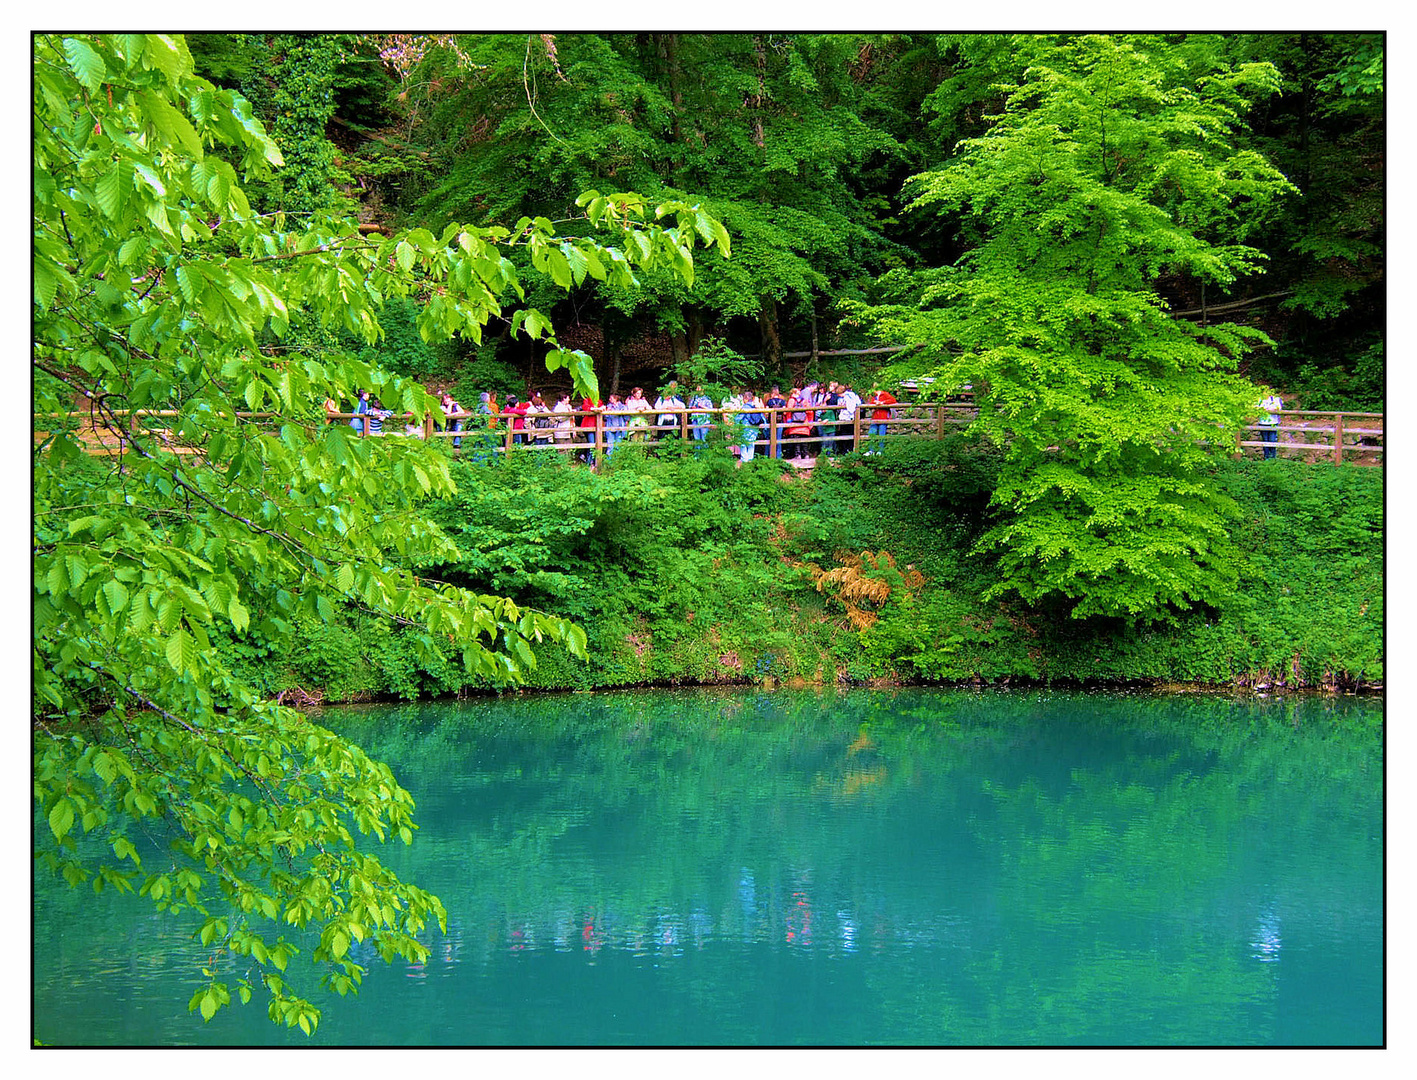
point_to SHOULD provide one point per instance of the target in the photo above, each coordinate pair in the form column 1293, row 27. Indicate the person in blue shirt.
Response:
column 751, row 422
column 360, row 410
column 616, row 420
column 775, row 400
column 699, row 421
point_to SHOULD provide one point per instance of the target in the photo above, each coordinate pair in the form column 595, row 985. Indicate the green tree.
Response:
column 1111, row 171
column 158, row 290
column 776, row 135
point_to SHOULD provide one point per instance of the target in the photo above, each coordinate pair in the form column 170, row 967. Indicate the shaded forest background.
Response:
column 800, row 144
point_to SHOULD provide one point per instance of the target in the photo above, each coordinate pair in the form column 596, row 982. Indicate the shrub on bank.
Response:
column 686, row 568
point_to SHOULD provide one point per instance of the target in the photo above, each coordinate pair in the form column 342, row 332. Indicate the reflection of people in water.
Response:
column 848, row 930
column 799, row 919
column 521, row 938
column 668, row 933
column 592, row 938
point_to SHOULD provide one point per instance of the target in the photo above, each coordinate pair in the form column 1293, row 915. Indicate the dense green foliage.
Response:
column 802, row 143
column 1111, row 164
column 1326, row 131
column 773, row 133
column 158, row 287
column 1074, row 225
column 199, row 255
column 685, row 569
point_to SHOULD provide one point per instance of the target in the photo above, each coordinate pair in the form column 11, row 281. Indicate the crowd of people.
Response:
column 811, row 419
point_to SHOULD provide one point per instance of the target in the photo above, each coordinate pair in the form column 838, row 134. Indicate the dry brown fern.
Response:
column 854, row 583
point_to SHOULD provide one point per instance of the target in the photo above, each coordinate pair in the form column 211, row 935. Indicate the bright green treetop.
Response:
column 1110, row 172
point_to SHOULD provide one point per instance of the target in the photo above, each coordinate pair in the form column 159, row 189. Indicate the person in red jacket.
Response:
column 879, row 416
column 517, row 410
column 587, row 425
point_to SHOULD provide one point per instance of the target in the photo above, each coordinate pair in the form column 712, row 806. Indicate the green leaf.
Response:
column 185, row 283
column 154, row 182
column 209, row 1004
column 115, row 594
column 240, row 616
column 172, row 123
column 57, row 579
column 576, row 642
column 181, row 652
column 105, row 768
column 46, row 284
column 131, row 249
column 108, row 192
column 61, row 818
column 88, row 67
column 165, row 54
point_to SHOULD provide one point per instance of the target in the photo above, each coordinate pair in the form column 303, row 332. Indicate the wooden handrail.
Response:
column 911, row 419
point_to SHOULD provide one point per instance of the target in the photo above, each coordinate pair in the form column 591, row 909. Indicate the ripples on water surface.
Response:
column 895, row 867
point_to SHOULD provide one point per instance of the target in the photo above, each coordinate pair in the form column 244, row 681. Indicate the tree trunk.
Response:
column 814, row 336
column 761, row 96
column 694, row 328
column 679, row 349
column 767, row 324
column 669, row 54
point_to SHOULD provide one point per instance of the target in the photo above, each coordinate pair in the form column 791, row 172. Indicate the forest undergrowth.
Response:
column 691, row 569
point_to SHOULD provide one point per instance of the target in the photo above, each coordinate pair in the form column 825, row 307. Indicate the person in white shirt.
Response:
column 669, row 405
column 562, row 431
column 849, row 403
column 1272, row 404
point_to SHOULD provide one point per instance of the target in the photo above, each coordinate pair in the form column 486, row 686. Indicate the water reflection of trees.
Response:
column 991, row 828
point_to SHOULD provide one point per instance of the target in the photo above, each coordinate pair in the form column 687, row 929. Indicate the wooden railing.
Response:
column 1356, row 438
column 97, row 436
column 778, row 436
column 1320, row 436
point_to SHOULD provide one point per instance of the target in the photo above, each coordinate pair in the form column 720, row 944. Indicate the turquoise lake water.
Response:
column 912, row 867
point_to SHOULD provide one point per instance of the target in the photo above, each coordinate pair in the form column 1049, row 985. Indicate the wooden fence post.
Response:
column 856, row 428
column 1338, row 438
column 772, row 432
column 939, row 422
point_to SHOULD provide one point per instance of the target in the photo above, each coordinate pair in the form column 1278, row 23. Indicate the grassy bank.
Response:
column 690, row 569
